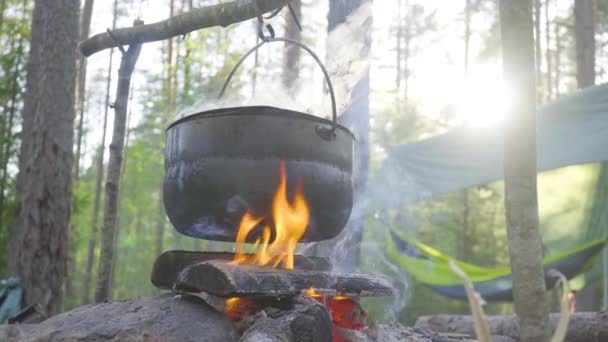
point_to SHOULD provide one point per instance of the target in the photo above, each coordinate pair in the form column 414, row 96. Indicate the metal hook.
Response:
column 261, row 34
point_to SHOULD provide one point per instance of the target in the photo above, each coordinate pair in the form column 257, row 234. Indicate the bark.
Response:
column 123, row 172
column 104, row 276
column 291, row 53
column 92, row 245
column 521, row 202
column 584, row 32
column 39, row 236
column 222, row 14
column 225, row 279
column 81, row 78
column 583, row 326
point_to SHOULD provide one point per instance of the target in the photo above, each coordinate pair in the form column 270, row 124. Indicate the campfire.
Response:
column 221, row 183
column 269, row 273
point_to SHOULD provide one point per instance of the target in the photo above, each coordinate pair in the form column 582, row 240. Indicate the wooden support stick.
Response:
column 224, row 279
column 222, row 14
column 110, row 212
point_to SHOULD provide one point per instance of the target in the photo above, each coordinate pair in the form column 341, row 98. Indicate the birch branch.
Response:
column 223, row 14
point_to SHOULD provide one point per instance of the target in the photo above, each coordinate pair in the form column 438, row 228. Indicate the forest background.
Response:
column 434, row 65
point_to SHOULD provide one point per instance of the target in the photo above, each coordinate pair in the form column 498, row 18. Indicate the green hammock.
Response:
column 431, row 267
column 571, row 131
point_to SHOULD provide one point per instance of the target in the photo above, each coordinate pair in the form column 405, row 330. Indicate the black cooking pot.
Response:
column 222, row 163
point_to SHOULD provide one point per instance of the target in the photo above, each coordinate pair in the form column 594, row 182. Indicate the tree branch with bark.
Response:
column 223, row 15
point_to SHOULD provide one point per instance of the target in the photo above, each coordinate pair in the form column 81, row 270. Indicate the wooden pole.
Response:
column 104, row 276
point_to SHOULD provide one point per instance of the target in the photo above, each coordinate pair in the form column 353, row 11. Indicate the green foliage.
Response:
column 14, row 36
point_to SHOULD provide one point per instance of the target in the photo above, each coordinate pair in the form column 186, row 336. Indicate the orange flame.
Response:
column 289, row 221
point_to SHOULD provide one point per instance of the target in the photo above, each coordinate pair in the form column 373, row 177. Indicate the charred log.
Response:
column 220, row 278
column 169, row 264
column 305, row 320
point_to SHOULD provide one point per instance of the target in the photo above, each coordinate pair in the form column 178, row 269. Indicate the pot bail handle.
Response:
column 324, row 132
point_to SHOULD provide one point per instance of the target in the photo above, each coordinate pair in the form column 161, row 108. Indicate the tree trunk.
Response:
column 584, row 34
column 537, row 49
column 291, row 53
column 521, row 203
column 558, row 54
column 123, row 172
column 104, row 276
column 398, row 38
column 356, row 118
column 256, row 62
column 99, row 178
column 2, row 9
column 585, row 42
column 464, row 236
column 549, row 84
column 467, row 34
column 39, row 236
column 81, row 80
column 185, row 94
column 406, row 52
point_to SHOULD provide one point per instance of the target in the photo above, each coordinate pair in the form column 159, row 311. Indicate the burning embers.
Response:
column 289, row 220
column 345, row 312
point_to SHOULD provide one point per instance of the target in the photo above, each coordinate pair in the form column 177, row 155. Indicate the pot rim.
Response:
column 247, row 110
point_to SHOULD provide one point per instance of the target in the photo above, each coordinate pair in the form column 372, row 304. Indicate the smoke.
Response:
column 348, row 62
column 399, row 280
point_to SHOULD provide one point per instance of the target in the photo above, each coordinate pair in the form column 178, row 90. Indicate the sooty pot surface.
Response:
column 219, row 164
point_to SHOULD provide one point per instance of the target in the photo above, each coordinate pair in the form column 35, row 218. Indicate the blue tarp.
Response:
column 572, row 130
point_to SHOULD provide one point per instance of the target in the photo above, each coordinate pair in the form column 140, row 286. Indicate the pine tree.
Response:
column 39, row 235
